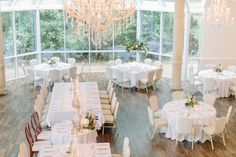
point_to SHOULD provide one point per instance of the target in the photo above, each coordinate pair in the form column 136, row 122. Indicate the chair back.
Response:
column 72, row 61
column 108, row 73
column 30, row 75
column 228, row 114
column 35, row 124
column 72, row 72
column 231, row 68
column 23, row 150
column 151, row 76
column 153, row 101
column 220, row 124
column 178, row 95
column 29, row 138
column 157, row 63
column 126, row 142
column 150, row 115
column 24, row 70
column 209, row 99
column 118, row 61
column 119, row 76
column 147, row 61
column 111, row 92
column 54, row 75
column 116, row 110
column 126, row 152
column 110, row 84
column 111, row 63
column 113, row 104
column 33, row 62
column 159, row 74
column 184, row 125
column 209, row 85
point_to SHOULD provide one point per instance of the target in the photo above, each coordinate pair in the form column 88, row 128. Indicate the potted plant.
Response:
column 139, row 47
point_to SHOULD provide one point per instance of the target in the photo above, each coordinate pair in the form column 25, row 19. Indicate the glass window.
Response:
column 194, row 35
column 105, row 44
column 150, row 30
column 25, row 31
column 167, row 66
column 168, row 25
column 81, row 58
column 76, row 36
column 10, row 70
column 52, row 30
column 46, row 56
column 98, row 60
column 7, row 30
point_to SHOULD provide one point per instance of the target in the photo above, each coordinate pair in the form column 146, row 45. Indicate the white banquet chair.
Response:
column 147, row 61
column 105, row 92
column 210, row 85
column 33, row 62
column 184, row 126
column 231, row 68
column 153, row 101
column 157, row 76
column 72, row 74
column 146, row 82
column 122, row 81
column 216, row 129
column 23, row 150
column 178, row 95
column 209, row 99
column 125, row 145
column 154, row 124
column 157, row 63
column 32, row 79
column 54, row 76
column 193, row 80
column 111, row 63
column 72, row 61
column 227, row 120
column 118, row 61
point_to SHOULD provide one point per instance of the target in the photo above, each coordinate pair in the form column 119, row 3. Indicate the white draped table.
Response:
column 223, row 80
column 81, row 150
column 133, row 71
column 203, row 114
column 42, row 70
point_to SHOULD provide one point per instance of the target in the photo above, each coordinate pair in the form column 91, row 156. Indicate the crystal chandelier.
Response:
column 102, row 19
column 218, row 13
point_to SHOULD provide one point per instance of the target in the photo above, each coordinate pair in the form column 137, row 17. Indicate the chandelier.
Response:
column 102, row 19
column 218, row 13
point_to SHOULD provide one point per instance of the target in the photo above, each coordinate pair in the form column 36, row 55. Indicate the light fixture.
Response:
column 102, row 19
column 218, row 13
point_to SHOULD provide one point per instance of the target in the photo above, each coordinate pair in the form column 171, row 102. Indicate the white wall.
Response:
column 218, row 43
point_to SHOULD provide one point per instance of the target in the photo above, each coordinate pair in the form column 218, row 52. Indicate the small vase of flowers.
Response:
column 190, row 101
column 89, row 121
column 218, row 68
column 139, row 47
column 51, row 61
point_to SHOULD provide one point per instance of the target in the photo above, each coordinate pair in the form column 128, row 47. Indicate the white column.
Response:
column 178, row 45
column 2, row 66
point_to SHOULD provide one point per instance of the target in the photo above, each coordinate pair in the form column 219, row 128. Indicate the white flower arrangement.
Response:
column 190, row 101
column 52, row 61
column 89, row 121
column 218, row 68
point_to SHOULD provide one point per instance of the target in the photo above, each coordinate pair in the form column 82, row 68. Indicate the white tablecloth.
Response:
column 133, row 71
column 223, row 80
column 62, row 134
column 81, row 150
column 60, row 107
column 90, row 101
column 42, row 70
column 203, row 114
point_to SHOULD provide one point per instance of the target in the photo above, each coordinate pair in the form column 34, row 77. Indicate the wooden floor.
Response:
column 17, row 105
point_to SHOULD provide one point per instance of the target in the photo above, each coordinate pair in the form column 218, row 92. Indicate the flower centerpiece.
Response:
column 89, row 121
column 218, row 68
column 190, row 101
column 137, row 46
column 52, row 61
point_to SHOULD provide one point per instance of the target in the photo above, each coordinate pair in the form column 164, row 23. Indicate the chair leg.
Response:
column 192, row 141
column 212, row 146
column 176, row 142
column 148, row 128
column 223, row 138
column 226, row 131
column 103, row 129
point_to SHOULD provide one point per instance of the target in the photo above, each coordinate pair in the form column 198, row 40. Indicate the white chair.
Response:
column 23, row 150
column 178, row 95
column 153, row 101
column 105, row 92
column 157, row 76
column 118, row 61
column 32, row 79
column 232, row 87
column 157, row 63
column 209, row 99
column 155, row 124
column 111, row 63
column 146, row 82
column 110, row 120
column 216, row 129
column 227, row 120
column 231, row 68
column 72, row 74
column 209, row 85
column 108, row 105
column 125, row 152
column 33, row 62
column 184, row 126
column 54, row 76
column 72, row 61
column 121, row 80
column 106, row 98
column 147, row 61
column 193, row 80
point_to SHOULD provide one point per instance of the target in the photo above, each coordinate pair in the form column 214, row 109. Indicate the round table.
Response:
column 42, row 70
column 133, row 71
column 203, row 114
column 223, row 80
